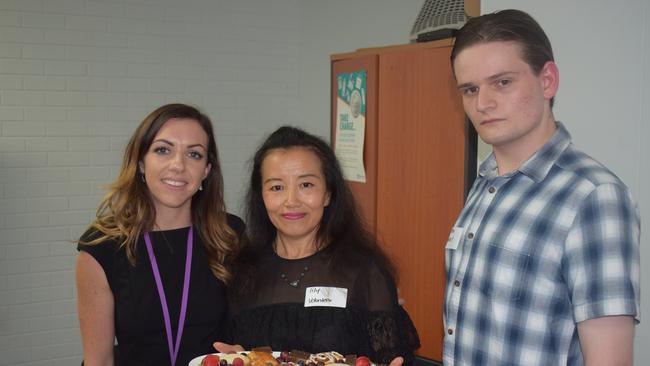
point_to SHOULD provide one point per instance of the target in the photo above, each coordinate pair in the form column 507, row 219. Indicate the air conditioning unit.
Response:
column 441, row 18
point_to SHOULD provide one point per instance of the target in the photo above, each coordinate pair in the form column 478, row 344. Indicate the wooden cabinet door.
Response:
column 420, row 178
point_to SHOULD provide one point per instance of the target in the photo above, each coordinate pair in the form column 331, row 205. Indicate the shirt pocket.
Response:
column 506, row 272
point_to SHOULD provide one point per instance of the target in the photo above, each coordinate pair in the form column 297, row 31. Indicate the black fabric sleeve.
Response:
column 391, row 332
column 104, row 252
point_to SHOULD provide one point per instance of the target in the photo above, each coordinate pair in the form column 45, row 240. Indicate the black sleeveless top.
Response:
column 139, row 324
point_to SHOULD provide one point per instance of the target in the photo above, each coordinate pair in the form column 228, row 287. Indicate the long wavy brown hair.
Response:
column 127, row 210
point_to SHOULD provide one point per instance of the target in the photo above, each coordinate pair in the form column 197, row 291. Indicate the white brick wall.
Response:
column 77, row 76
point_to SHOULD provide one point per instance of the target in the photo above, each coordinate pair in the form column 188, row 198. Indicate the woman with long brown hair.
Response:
column 151, row 270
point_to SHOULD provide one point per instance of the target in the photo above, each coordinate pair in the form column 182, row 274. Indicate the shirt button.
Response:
column 456, row 283
column 450, row 331
column 492, row 189
column 470, row 236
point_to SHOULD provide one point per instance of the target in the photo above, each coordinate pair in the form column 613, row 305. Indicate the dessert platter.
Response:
column 264, row 356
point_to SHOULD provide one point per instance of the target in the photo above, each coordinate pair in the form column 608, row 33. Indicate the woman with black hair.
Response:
column 310, row 276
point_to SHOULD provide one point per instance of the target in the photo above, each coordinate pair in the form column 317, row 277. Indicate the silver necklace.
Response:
column 295, row 283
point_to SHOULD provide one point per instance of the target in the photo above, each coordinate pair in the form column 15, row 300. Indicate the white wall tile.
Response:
column 12, row 144
column 87, row 53
column 44, row 234
column 9, row 19
column 46, row 204
column 23, row 128
column 47, row 144
column 11, row 82
column 43, row 51
column 18, row 98
column 64, row 248
column 65, row 68
column 88, row 23
column 89, row 173
column 106, row 39
column 28, row 220
column 21, row 35
column 107, row 69
column 40, row 113
column 11, row 113
column 68, row 189
column 20, row 160
column 107, row 99
column 65, row 6
column 25, row 189
column 66, row 128
column 105, row 9
column 29, row 339
column 13, row 176
column 24, row 5
column 57, row 174
column 89, row 143
column 40, row 20
column 12, row 205
column 71, row 218
column 86, row 114
column 65, row 159
column 22, row 311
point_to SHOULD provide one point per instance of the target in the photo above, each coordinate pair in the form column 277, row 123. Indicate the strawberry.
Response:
column 210, row 360
column 362, row 361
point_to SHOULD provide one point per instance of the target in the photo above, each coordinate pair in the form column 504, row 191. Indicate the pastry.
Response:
column 327, row 358
column 258, row 358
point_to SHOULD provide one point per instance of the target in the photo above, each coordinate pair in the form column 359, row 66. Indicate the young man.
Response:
column 543, row 261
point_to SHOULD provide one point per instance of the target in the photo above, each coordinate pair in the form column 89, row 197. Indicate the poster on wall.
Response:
column 351, row 124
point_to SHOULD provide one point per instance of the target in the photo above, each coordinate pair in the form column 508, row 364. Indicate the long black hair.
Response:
column 342, row 232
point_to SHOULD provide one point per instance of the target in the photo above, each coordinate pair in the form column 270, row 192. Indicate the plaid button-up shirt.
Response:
column 533, row 253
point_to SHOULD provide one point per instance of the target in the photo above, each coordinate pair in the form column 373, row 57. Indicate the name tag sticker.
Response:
column 454, row 238
column 335, row 297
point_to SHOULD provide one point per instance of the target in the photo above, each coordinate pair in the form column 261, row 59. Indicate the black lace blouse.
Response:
column 275, row 314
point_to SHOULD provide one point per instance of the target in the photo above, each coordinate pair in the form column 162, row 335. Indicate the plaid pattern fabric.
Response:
column 540, row 249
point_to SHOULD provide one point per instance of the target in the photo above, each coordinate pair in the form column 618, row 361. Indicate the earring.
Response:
column 142, row 177
column 201, row 187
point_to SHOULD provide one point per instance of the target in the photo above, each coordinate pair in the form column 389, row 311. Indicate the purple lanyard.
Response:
column 173, row 351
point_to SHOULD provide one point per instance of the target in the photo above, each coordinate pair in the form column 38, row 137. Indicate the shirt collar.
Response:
column 538, row 165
